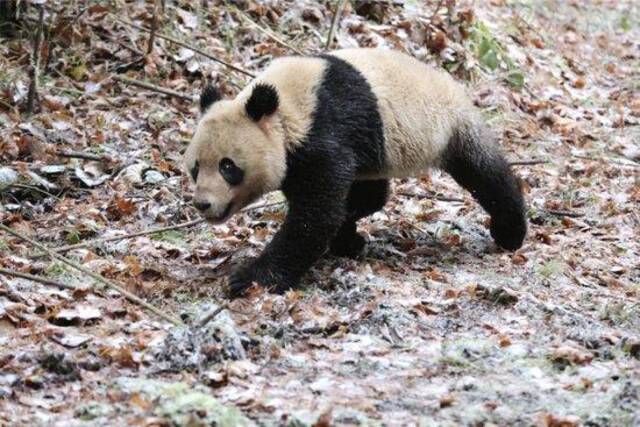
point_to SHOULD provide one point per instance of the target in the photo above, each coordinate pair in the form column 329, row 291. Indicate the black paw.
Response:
column 244, row 276
column 349, row 246
column 509, row 232
column 241, row 279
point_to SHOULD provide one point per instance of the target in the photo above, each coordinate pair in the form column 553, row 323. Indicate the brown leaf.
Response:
column 570, row 355
column 437, row 41
column 134, row 265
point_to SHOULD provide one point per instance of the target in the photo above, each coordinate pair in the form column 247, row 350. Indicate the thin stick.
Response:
column 334, row 23
column 206, row 319
column 528, row 162
column 128, row 295
column 266, row 31
column 432, row 196
column 154, row 28
column 150, row 231
column 32, row 188
column 570, row 214
column 608, row 160
column 127, row 236
column 152, row 87
column 435, row 12
column 38, row 279
column 34, row 72
column 183, row 44
column 81, row 155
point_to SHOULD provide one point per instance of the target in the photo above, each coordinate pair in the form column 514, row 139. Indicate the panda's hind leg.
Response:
column 365, row 198
column 473, row 160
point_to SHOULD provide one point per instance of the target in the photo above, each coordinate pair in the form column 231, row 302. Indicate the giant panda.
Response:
column 330, row 131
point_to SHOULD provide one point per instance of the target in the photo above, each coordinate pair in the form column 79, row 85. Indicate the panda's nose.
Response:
column 201, row 206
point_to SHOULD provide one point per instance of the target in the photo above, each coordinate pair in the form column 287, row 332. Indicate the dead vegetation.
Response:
column 433, row 325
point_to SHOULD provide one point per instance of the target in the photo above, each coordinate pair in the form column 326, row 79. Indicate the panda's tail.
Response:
column 475, row 162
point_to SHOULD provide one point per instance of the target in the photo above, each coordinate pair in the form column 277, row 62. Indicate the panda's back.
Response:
column 420, row 106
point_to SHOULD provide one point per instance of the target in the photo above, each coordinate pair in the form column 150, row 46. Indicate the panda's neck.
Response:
column 294, row 129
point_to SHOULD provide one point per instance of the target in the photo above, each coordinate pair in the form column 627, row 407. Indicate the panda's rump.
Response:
column 420, row 107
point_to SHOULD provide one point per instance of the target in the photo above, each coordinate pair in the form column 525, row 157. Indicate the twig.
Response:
column 334, row 23
column 151, row 231
column 206, row 319
column 435, row 12
column 570, row 214
column 608, row 160
column 34, row 72
column 528, row 162
column 127, row 236
column 38, row 279
column 152, row 87
column 128, row 295
column 32, row 188
column 188, row 46
column 81, row 155
column 7, row 105
column 154, row 28
column 266, row 31
column 431, row 196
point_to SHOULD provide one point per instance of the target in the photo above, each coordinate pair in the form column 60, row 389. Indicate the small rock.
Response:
column 7, row 177
column 199, row 347
column 132, row 174
column 499, row 295
column 153, row 177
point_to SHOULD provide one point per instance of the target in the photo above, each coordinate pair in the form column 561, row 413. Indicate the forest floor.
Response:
column 433, row 325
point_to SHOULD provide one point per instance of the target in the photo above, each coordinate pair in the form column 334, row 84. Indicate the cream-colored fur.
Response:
column 259, row 149
column 420, row 106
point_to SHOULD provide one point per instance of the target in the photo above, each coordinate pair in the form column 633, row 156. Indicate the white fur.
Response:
column 420, row 107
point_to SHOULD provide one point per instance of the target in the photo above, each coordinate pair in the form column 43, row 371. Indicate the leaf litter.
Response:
column 432, row 325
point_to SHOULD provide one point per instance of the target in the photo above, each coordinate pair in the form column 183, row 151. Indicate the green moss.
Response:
column 492, row 55
column 183, row 405
column 551, row 268
column 55, row 269
column 172, row 236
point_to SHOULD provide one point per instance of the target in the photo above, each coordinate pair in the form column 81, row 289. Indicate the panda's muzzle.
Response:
column 215, row 219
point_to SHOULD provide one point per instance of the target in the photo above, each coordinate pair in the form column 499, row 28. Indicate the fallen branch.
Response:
column 334, row 23
column 127, row 236
column 38, row 279
column 188, row 46
column 152, row 87
column 34, row 71
column 433, row 196
column 528, row 162
column 570, row 214
column 609, row 160
column 206, row 319
column 81, row 155
column 435, row 11
column 98, row 278
column 149, row 231
column 154, row 28
column 266, row 31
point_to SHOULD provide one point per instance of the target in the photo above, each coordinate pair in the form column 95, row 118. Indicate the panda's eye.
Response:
column 230, row 172
column 194, row 171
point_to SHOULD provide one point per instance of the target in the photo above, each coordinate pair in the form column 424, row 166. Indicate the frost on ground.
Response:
column 433, row 325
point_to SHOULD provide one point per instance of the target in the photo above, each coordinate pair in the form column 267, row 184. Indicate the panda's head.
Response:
column 237, row 152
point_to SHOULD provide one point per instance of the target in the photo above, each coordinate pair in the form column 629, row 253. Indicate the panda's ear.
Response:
column 263, row 101
column 208, row 97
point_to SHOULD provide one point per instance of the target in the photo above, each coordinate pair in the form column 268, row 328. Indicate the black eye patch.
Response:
column 230, row 172
column 194, row 171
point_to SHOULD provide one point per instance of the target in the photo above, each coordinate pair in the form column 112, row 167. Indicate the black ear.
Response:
column 263, row 101
column 208, row 97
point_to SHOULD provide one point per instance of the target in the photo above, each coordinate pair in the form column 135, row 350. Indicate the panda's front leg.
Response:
column 317, row 209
